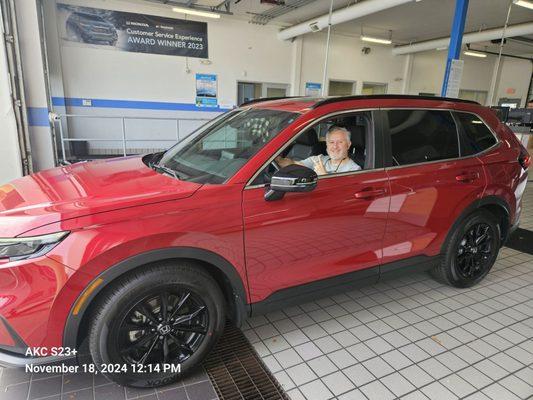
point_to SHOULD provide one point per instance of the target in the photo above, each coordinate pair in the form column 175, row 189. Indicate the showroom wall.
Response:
column 99, row 82
column 347, row 62
column 238, row 51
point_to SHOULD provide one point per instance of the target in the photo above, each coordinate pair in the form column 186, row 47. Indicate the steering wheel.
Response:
column 272, row 168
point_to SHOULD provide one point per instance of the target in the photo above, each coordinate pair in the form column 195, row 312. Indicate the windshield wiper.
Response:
column 167, row 170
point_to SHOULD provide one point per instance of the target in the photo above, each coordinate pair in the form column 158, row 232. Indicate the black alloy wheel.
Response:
column 156, row 324
column 470, row 251
column 163, row 328
column 475, row 251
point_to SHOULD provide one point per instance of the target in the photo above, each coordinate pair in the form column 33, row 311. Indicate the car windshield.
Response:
column 217, row 150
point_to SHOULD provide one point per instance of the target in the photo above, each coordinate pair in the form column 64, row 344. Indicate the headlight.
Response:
column 29, row 247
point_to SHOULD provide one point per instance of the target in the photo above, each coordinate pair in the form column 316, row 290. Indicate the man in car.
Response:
column 337, row 144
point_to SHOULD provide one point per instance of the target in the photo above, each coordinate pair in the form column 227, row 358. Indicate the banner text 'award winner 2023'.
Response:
column 123, row 31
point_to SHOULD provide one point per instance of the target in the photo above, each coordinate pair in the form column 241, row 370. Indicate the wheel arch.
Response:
column 495, row 205
column 218, row 267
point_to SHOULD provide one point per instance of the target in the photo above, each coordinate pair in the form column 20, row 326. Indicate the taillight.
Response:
column 524, row 159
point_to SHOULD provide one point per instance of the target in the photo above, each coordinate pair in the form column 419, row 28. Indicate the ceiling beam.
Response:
column 474, row 37
column 358, row 10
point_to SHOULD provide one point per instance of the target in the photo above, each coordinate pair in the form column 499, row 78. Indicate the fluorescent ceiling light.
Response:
column 524, row 3
column 474, row 54
column 375, row 40
column 442, row 48
column 198, row 13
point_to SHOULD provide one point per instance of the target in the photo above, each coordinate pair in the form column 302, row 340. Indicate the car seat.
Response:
column 306, row 145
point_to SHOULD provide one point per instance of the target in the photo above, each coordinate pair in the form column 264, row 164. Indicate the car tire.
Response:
column 471, row 251
column 168, row 315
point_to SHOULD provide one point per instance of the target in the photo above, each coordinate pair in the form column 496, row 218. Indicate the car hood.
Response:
column 82, row 189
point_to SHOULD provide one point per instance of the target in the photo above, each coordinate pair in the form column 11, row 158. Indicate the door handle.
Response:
column 467, row 177
column 367, row 194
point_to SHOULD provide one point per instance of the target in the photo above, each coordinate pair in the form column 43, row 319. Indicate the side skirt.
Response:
column 337, row 284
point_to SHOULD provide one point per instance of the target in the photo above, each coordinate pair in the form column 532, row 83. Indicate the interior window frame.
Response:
column 376, row 135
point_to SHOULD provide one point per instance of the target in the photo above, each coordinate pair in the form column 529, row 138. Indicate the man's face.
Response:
column 337, row 145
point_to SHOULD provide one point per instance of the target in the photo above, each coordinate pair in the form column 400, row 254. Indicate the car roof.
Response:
column 305, row 104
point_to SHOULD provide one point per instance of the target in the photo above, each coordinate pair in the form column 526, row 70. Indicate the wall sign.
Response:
column 206, row 90
column 125, row 31
column 313, row 89
column 454, row 80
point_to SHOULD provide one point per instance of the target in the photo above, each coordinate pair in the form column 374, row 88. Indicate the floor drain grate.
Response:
column 236, row 371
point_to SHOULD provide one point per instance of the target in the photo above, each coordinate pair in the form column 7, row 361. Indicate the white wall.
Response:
column 516, row 74
column 428, row 73
column 346, row 62
column 10, row 161
column 238, row 51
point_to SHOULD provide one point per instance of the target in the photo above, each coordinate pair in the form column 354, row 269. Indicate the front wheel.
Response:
column 471, row 251
column 157, row 324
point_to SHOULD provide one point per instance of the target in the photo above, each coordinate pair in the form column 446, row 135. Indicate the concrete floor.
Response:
column 410, row 337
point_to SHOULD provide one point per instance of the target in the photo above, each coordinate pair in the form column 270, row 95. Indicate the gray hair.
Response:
column 340, row 129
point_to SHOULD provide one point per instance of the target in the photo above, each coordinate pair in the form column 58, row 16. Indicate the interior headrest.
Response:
column 358, row 135
column 308, row 138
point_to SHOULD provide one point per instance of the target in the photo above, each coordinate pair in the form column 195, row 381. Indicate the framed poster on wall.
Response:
column 206, row 90
column 313, row 89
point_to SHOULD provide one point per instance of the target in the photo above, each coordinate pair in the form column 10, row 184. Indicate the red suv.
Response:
column 141, row 260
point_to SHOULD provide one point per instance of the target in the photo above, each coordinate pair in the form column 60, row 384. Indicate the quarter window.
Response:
column 476, row 137
column 421, row 136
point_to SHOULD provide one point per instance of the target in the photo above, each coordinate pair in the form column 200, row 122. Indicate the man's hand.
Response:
column 319, row 167
column 283, row 162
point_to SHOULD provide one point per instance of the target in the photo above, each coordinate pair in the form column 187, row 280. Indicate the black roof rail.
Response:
column 389, row 96
column 261, row 99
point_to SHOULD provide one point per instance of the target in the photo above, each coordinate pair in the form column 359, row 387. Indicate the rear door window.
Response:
column 475, row 135
column 418, row 136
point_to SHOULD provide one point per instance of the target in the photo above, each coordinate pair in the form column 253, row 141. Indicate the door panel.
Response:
column 425, row 202
column 426, row 196
column 311, row 236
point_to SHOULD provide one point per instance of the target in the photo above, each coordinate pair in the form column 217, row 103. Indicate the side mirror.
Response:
column 292, row 178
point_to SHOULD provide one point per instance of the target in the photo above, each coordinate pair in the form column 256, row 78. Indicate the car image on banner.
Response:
column 90, row 28
column 123, row 31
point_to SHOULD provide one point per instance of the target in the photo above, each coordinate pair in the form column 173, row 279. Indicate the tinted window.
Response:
column 422, row 135
column 475, row 137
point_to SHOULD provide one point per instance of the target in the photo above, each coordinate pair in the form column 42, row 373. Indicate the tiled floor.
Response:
column 15, row 384
column 410, row 338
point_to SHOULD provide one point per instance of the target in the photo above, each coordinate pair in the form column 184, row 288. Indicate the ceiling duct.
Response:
column 475, row 37
column 278, row 10
column 350, row 13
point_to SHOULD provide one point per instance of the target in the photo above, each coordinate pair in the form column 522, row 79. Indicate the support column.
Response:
column 407, row 73
column 296, row 66
column 10, row 157
column 495, row 80
column 456, row 40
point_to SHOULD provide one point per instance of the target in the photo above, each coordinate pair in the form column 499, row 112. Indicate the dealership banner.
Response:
column 117, row 30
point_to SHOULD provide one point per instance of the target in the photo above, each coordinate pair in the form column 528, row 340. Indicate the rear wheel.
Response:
column 157, row 324
column 471, row 251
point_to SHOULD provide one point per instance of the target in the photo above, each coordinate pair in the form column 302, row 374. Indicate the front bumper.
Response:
column 28, row 292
